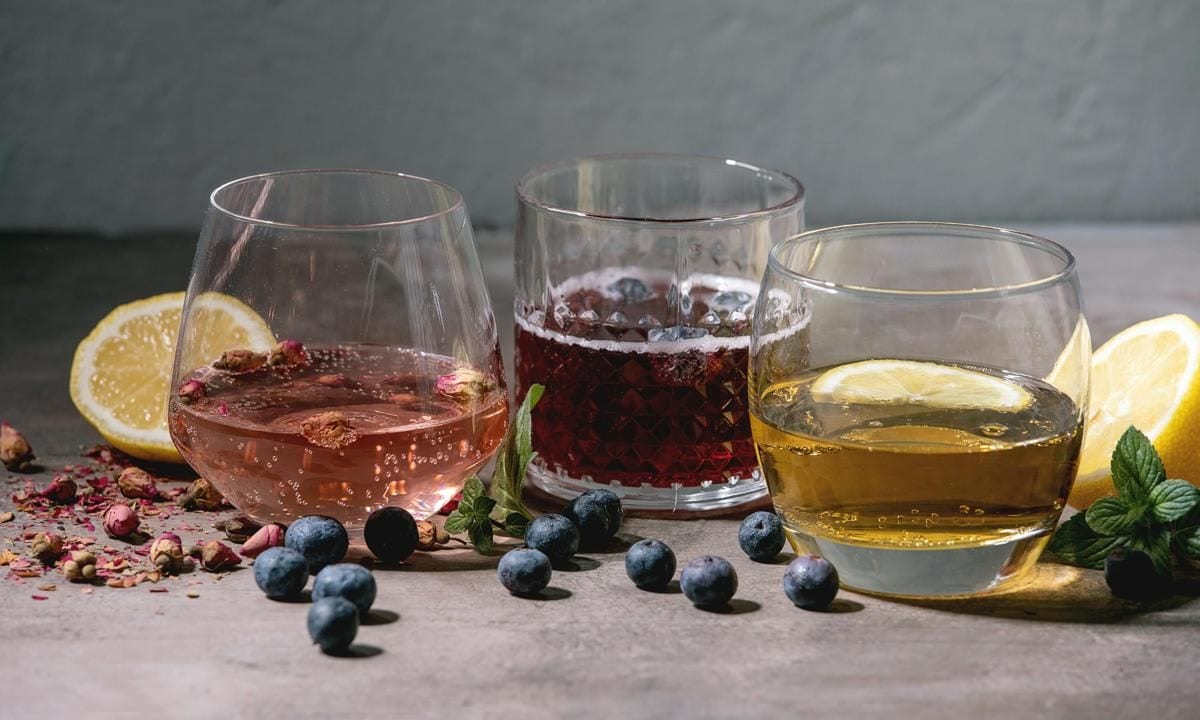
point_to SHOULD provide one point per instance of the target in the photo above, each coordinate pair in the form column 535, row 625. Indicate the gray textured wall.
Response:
column 121, row 116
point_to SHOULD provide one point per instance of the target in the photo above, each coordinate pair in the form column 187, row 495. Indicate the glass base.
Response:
column 723, row 497
column 927, row 573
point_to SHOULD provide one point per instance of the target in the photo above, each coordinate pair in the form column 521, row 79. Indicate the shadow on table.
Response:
column 1061, row 593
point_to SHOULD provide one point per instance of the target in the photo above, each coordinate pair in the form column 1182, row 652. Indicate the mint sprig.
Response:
column 1150, row 513
column 480, row 515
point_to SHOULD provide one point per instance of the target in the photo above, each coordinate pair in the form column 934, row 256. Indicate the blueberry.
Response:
column 761, row 536
column 391, row 534
column 612, row 507
column 590, row 515
column 810, row 582
column 333, row 623
column 555, row 536
column 709, row 582
column 347, row 580
column 1131, row 575
column 280, row 572
column 524, row 571
column 650, row 564
column 321, row 540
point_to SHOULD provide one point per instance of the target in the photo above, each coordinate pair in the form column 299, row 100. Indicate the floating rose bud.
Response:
column 135, row 482
column 15, row 451
column 337, row 381
column 201, row 496
column 120, row 521
column 191, row 391
column 328, row 430
column 240, row 361
column 61, row 490
column 81, row 567
column 47, row 547
column 268, row 536
column 167, row 553
column 464, row 384
column 288, row 352
column 216, row 556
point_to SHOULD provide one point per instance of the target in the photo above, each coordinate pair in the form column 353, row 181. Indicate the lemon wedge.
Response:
column 121, row 374
column 1147, row 375
column 910, row 382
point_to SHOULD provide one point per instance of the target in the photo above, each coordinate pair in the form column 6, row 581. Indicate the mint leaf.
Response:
column 1113, row 516
column 471, row 490
column 1075, row 542
column 1188, row 542
column 1136, row 466
column 515, row 457
column 1155, row 542
column 1171, row 500
column 481, row 536
column 456, row 522
column 515, row 525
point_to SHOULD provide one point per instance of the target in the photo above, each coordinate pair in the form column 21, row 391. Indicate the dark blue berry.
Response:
column 555, row 536
column 333, row 623
column 761, row 536
column 347, row 580
column 709, row 582
column 524, row 571
column 321, row 540
column 650, row 564
column 612, row 508
column 391, row 534
column 591, row 517
column 280, row 572
column 810, row 582
column 1131, row 575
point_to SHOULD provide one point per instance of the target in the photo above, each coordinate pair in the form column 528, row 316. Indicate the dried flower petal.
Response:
column 201, row 496
column 268, row 536
column 240, row 361
column 328, row 430
column 135, row 482
column 15, row 451
column 216, row 556
column 6, row 517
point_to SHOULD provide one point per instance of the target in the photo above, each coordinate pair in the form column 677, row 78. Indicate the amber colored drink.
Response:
column 391, row 439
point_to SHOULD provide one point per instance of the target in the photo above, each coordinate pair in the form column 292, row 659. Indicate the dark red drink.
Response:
column 641, row 387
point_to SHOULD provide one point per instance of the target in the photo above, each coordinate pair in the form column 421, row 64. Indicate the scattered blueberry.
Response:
column 761, row 536
column 810, row 582
column 524, row 571
column 1131, row 575
column 347, row 580
column 612, row 508
column 280, row 572
column 321, row 540
column 391, row 534
column 709, row 582
column 590, row 515
column 333, row 623
column 650, row 564
column 555, row 536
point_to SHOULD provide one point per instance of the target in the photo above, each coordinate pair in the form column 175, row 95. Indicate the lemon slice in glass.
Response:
column 910, row 382
column 121, row 374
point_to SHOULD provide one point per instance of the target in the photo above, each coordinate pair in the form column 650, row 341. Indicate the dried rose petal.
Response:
column 288, row 352
column 240, row 361
column 15, row 451
column 216, row 556
column 328, row 430
column 135, row 482
column 268, row 536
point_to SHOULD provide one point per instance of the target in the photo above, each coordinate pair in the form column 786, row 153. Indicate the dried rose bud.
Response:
column 338, row 381
column 81, row 567
column 47, row 547
column 201, row 496
column 120, row 521
column 328, row 430
column 429, row 536
column 240, row 361
column 237, row 529
column 288, row 352
column 191, row 391
column 61, row 490
column 137, row 483
column 216, row 556
column 268, row 536
column 167, row 553
column 15, row 451
column 464, row 384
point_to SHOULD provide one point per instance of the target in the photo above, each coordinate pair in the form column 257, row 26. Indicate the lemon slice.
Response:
column 1147, row 375
column 121, row 375
column 1067, row 373
column 909, row 382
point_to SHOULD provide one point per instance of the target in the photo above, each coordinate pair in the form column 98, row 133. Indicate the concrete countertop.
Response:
column 461, row 647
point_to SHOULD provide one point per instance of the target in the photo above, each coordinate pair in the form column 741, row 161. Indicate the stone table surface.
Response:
column 461, row 647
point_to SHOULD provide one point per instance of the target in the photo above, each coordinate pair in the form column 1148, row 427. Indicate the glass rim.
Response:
column 526, row 198
column 456, row 200
column 1063, row 274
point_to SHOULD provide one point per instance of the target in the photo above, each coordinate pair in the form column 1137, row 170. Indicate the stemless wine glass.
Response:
column 636, row 276
column 337, row 350
column 917, row 394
